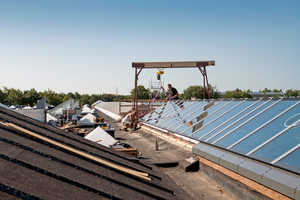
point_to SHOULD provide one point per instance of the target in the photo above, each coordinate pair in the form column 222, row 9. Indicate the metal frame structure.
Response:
column 201, row 65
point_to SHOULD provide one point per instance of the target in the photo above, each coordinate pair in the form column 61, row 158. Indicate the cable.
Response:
column 293, row 125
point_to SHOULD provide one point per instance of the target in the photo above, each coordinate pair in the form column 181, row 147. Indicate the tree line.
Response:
column 11, row 96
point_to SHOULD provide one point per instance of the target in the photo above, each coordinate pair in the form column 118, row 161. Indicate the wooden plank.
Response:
column 131, row 151
column 66, row 126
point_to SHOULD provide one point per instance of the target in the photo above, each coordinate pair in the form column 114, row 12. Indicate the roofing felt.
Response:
column 34, row 168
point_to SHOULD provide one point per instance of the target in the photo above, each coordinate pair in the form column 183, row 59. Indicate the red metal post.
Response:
column 207, row 82
column 135, row 101
column 204, row 74
column 135, row 93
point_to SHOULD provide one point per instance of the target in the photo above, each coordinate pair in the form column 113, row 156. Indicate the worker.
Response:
column 173, row 93
column 128, row 121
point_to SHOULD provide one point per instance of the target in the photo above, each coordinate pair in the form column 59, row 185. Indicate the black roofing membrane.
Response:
column 32, row 168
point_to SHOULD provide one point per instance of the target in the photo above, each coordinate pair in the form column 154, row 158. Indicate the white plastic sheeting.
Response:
column 50, row 117
column 101, row 137
column 27, row 108
column 87, row 120
column 85, row 110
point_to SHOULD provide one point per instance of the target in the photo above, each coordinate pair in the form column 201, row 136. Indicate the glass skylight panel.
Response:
column 210, row 117
column 188, row 114
column 280, row 144
column 154, row 112
column 157, row 113
column 196, row 116
column 229, row 135
column 180, row 109
column 249, row 143
column 194, row 106
column 216, row 119
column 291, row 162
column 58, row 110
column 227, row 118
column 172, row 111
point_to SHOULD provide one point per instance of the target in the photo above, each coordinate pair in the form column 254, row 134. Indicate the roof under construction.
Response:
column 43, row 162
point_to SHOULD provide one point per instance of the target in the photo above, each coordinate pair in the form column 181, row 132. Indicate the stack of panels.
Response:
column 32, row 168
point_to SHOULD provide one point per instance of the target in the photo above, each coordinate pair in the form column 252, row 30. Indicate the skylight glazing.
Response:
column 255, row 128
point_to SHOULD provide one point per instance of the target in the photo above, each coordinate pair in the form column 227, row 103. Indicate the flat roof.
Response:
column 188, row 64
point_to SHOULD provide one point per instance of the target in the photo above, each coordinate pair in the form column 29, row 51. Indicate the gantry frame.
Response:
column 201, row 65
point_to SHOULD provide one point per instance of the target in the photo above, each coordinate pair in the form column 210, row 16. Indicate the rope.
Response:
column 150, row 104
column 293, row 125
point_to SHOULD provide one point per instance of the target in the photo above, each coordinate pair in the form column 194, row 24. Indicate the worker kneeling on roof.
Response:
column 128, row 120
column 173, row 93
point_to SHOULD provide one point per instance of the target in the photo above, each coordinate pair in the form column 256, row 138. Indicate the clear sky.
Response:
column 88, row 46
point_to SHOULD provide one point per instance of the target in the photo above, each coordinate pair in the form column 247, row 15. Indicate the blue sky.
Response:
column 88, row 46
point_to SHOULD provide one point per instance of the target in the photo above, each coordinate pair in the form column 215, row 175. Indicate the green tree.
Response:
column 52, row 97
column 275, row 90
column 30, row 97
column 77, row 96
column 236, row 94
column 3, row 96
column 108, row 97
column 14, row 97
column 66, row 98
column 197, row 92
column 161, row 94
column 85, row 99
column 71, row 95
column 95, row 97
column 143, row 93
column 292, row 93
column 266, row 90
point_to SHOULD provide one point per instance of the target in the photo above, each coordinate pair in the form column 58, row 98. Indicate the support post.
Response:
column 204, row 74
column 135, row 103
column 156, row 145
column 135, row 94
column 207, row 82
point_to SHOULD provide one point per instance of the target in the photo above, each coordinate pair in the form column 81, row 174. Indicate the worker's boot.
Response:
column 136, row 127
